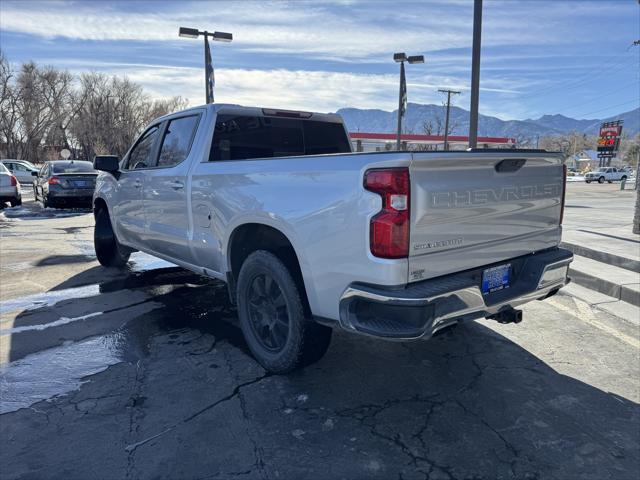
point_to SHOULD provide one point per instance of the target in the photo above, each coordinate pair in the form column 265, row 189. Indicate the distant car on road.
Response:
column 21, row 169
column 65, row 182
column 9, row 188
column 609, row 174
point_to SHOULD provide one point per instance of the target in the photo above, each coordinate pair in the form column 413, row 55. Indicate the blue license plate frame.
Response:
column 496, row 278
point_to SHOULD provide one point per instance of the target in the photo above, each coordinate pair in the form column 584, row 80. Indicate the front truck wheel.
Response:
column 272, row 316
column 109, row 252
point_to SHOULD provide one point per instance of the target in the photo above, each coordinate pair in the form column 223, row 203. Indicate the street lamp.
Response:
column 402, row 97
column 209, row 80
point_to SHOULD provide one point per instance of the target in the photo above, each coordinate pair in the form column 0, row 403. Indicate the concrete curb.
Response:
column 604, row 257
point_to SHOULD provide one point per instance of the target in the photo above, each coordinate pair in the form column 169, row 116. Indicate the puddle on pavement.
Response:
column 188, row 301
column 47, row 299
column 58, row 370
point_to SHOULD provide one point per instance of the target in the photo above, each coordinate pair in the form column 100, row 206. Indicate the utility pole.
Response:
column 446, row 121
column 475, row 73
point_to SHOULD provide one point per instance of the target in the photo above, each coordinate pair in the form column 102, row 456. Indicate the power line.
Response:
column 586, row 102
column 604, row 69
column 610, row 106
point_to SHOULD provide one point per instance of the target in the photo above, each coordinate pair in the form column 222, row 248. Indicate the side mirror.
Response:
column 106, row 163
column 34, row 173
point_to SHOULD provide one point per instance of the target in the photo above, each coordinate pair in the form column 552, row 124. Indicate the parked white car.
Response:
column 22, row 170
column 609, row 174
column 9, row 188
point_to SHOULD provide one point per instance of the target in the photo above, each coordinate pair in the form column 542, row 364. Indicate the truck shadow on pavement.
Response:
column 184, row 399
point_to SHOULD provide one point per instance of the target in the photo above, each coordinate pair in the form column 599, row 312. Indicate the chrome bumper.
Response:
column 421, row 309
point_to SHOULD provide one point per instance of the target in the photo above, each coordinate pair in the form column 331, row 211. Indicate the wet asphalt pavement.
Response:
column 143, row 373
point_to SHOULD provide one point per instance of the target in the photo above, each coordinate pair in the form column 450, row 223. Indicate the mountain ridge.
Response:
column 382, row 121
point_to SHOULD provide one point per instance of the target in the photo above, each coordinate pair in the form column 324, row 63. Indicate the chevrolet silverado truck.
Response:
column 309, row 236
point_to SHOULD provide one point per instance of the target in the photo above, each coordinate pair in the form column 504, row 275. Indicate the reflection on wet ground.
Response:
column 173, row 299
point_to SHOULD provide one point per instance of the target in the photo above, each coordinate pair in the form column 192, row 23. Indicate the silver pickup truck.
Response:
column 309, row 236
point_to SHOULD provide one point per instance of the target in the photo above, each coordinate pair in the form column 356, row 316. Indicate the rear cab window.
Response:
column 242, row 137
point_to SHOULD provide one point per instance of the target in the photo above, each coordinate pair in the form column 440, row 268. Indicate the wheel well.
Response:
column 250, row 237
column 98, row 205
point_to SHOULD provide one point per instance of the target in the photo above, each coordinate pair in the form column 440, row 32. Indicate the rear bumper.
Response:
column 71, row 196
column 10, row 193
column 420, row 309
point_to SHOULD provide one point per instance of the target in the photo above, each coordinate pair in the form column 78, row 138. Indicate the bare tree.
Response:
column 43, row 109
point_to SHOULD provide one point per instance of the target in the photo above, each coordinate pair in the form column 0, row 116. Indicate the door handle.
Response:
column 176, row 185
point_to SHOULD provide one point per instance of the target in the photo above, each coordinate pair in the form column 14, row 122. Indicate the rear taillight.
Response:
column 564, row 192
column 14, row 181
column 54, row 181
column 389, row 229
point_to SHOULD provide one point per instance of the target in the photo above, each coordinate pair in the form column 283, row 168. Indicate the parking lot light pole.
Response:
column 208, row 66
column 402, row 97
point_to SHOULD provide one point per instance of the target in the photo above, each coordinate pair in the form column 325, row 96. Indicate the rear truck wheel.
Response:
column 588, row 181
column 109, row 252
column 272, row 316
column 46, row 203
column 35, row 193
column 16, row 203
column 601, row 180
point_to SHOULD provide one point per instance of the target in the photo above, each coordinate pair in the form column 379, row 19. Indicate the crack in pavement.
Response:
column 236, row 391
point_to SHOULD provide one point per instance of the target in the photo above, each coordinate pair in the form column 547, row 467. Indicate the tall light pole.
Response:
column 402, row 97
column 446, row 121
column 209, row 81
column 475, row 73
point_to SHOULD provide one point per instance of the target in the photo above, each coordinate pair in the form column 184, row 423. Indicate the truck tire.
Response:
column 601, row 180
column 46, row 203
column 588, row 181
column 109, row 252
column 272, row 316
column 16, row 203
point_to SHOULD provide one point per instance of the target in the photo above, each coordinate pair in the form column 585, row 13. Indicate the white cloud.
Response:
column 322, row 91
column 295, row 28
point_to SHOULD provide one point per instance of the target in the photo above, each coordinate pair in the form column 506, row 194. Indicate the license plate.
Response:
column 496, row 278
column 81, row 183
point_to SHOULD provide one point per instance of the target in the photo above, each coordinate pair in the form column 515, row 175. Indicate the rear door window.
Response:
column 240, row 137
column 177, row 140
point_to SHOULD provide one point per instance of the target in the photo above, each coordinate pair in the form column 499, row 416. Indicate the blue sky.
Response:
column 538, row 57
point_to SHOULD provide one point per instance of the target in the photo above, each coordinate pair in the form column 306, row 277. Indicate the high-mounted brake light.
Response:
column 54, row 181
column 270, row 112
column 564, row 191
column 389, row 229
column 14, row 181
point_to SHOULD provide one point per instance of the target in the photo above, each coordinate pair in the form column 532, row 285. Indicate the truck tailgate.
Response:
column 470, row 209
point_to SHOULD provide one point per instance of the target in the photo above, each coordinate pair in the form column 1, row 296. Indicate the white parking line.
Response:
column 585, row 314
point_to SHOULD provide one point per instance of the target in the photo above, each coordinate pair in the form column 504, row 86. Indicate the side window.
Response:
column 140, row 156
column 9, row 166
column 176, row 143
column 19, row 167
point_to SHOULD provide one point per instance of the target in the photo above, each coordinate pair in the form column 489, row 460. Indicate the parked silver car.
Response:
column 22, row 170
column 9, row 188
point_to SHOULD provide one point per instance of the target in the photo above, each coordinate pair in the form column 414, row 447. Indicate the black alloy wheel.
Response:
column 268, row 312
